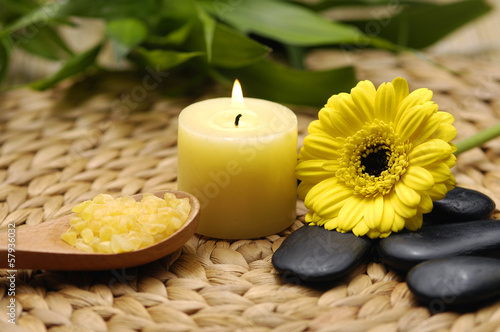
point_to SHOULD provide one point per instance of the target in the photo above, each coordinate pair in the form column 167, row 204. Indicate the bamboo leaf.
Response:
column 44, row 42
column 109, row 10
column 268, row 80
column 283, row 21
column 328, row 4
column 4, row 58
column 45, row 14
column 422, row 24
column 165, row 59
column 176, row 37
column 230, row 48
column 125, row 34
column 75, row 65
column 208, row 25
column 129, row 32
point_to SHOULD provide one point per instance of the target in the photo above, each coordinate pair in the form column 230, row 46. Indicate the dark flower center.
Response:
column 375, row 160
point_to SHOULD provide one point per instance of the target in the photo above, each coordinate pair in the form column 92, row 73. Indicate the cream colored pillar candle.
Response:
column 237, row 156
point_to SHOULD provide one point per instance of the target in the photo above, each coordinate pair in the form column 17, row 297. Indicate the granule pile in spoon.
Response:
column 108, row 225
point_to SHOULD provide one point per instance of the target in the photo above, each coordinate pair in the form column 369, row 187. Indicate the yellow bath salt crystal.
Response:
column 70, row 237
column 109, row 225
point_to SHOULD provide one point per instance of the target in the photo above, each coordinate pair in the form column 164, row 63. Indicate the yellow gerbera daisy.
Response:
column 376, row 159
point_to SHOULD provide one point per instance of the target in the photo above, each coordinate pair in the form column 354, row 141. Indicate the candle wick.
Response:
column 237, row 120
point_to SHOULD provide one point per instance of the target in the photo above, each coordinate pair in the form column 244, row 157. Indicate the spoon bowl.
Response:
column 41, row 246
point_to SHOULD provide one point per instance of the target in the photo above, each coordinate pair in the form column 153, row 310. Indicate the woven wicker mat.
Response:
column 68, row 144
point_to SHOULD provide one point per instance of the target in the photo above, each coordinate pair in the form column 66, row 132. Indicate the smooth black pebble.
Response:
column 455, row 281
column 461, row 204
column 314, row 254
column 406, row 249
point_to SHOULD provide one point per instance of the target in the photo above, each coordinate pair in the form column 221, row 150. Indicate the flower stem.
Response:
column 478, row 139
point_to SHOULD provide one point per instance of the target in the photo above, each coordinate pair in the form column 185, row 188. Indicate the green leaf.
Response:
column 4, row 58
column 268, row 80
column 208, row 24
column 327, row 4
column 145, row 10
column 11, row 9
column 230, row 48
column 44, row 42
column 182, row 10
column 422, row 24
column 165, row 59
column 125, row 34
column 129, row 32
column 45, row 14
column 282, row 21
column 177, row 37
column 75, row 65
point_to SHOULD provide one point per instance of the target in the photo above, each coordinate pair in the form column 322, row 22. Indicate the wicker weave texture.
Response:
column 66, row 145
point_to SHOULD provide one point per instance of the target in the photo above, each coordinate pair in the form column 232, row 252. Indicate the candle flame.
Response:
column 237, row 96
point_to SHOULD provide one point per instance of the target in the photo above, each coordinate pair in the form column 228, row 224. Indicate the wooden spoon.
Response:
column 41, row 246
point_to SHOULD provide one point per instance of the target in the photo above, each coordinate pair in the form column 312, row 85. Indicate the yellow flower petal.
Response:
column 368, row 87
column 400, row 88
column 364, row 99
column 411, row 120
column 374, row 234
column 304, row 188
column 414, row 223
column 315, row 127
column 445, row 117
column 452, row 159
column 331, row 224
column 328, row 203
column 428, row 127
column 418, row 178
column 312, row 171
column 388, row 216
column 438, row 191
column 331, row 165
column 345, row 106
column 400, row 208
column 320, row 145
column 312, row 217
column 429, row 152
column 398, row 224
column 342, row 125
column 351, row 213
column 360, row 229
column 445, row 132
column 381, row 235
column 374, row 209
column 385, row 103
column 407, row 195
column 417, row 97
column 426, row 204
column 439, row 171
column 326, row 122
column 318, row 189
column 347, row 120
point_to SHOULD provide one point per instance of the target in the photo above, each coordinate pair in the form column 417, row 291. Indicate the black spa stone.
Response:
column 314, row 254
column 455, row 281
column 406, row 249
column 461, row 204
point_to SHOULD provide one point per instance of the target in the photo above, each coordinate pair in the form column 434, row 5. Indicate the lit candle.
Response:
column 237, row 156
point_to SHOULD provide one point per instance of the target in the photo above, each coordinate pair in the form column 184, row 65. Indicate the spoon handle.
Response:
column 22, row 245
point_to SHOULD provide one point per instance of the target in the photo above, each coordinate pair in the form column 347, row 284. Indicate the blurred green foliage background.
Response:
column 261, row 42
